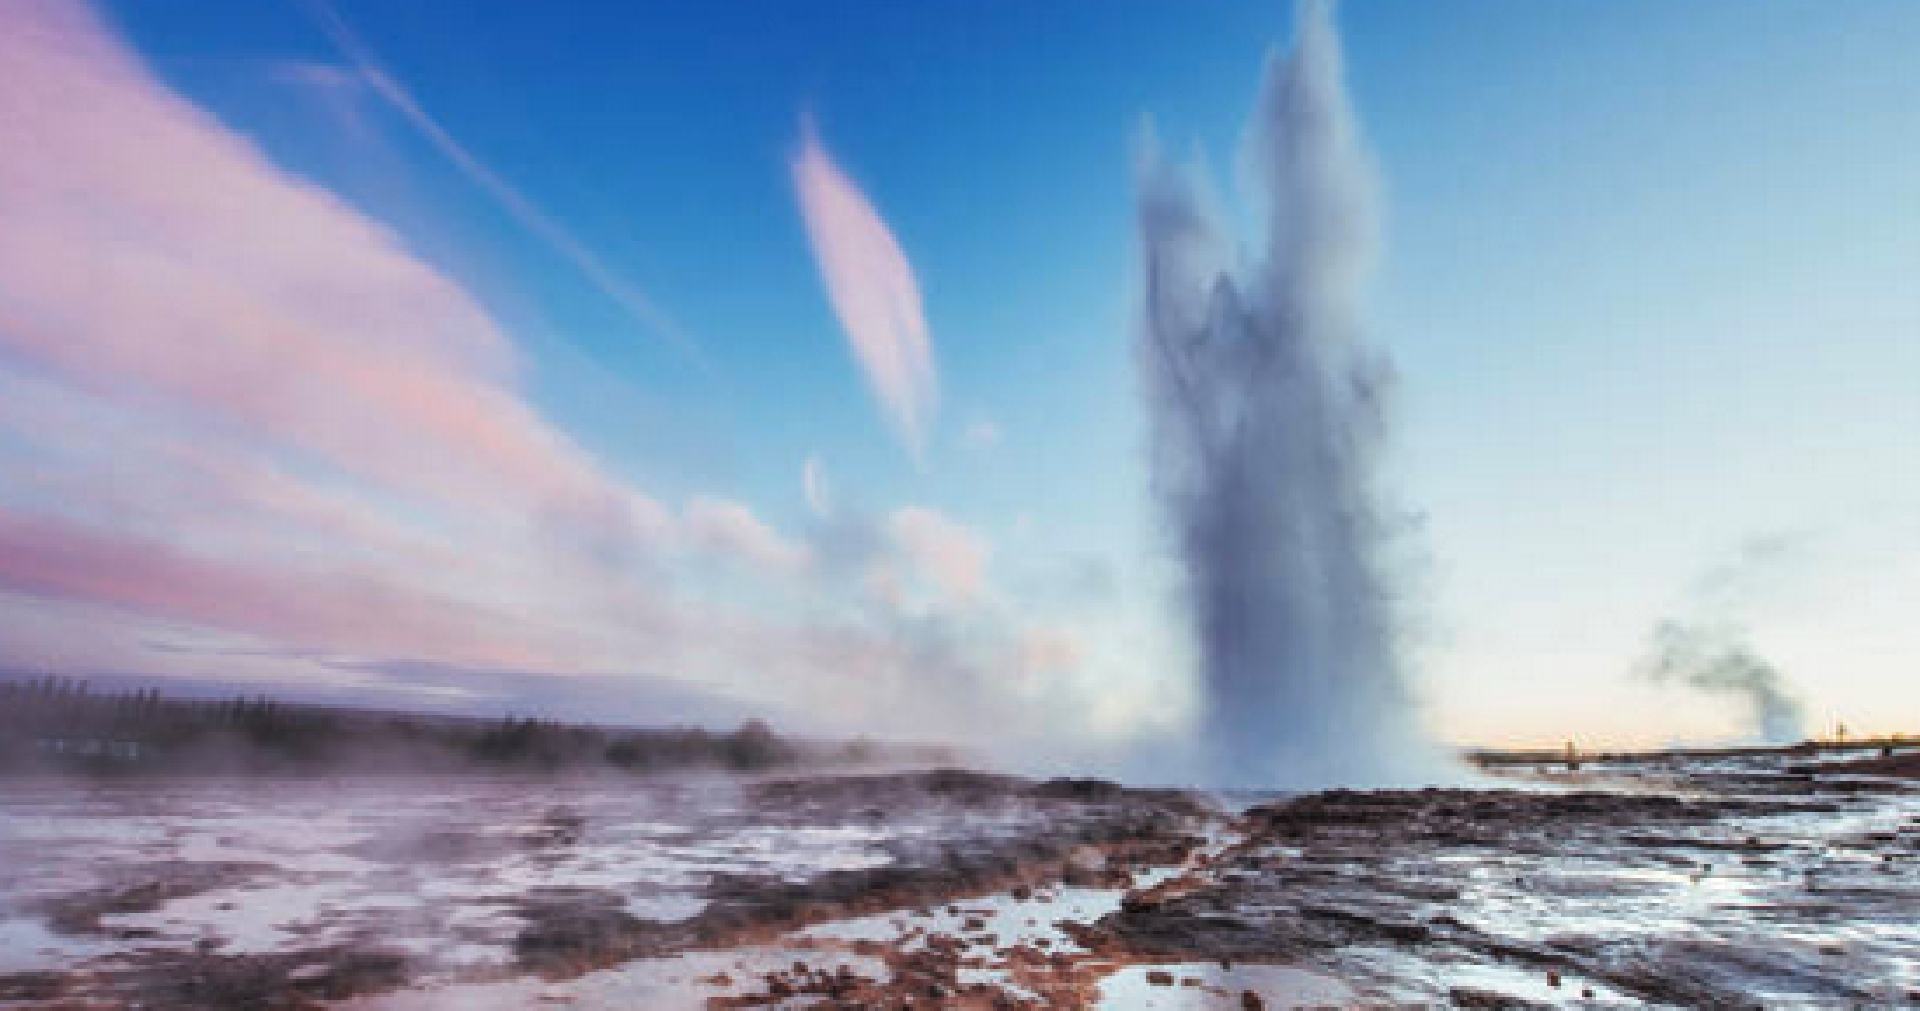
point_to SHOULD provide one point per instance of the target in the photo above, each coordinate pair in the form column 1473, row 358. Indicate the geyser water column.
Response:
column 1267, row 419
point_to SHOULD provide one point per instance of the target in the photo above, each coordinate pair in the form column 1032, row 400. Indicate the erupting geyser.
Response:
column 1267, row 417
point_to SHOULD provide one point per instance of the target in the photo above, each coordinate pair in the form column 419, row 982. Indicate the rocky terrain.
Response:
column 1694, row 900
column 220, row 894
column 1728, row 883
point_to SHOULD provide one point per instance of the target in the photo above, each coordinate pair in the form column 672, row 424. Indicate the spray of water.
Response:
column 1267, row 418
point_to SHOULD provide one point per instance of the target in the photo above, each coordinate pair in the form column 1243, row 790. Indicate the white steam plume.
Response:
column 1713, row 659
column 1267, row 419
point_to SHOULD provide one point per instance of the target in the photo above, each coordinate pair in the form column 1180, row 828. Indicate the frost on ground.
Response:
column 1677, row 885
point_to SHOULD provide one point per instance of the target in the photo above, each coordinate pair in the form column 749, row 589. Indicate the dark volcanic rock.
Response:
column 573, row 929
column 1470, row 997
column 1320, row 874
column 1904, row 766
column 32, row 986
column 1080, row 830
column 142, row 888
column 298, row 979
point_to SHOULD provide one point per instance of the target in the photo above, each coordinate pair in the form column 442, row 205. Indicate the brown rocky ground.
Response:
column 1904, row 766
column 1034, row 834
column 1713, row 888
column 1464, row 877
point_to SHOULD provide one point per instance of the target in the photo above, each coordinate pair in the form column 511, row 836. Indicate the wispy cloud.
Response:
column 731, row 528
column 278, row 420
column 637, row 304
column 872, row 288
column 950, row 557
column 246, row 433
column 982, row 434
column 814, row 484
column 348, row 608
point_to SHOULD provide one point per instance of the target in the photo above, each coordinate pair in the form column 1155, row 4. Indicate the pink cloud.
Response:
column 201, row 348
column 952, row 558
column 1045, row 651
column 730, row 528
column 234, row 409
column 872, row 288
column 335, row 610
column 150, row 252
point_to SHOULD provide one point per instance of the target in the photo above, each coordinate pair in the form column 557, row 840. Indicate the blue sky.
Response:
column 1649, row 279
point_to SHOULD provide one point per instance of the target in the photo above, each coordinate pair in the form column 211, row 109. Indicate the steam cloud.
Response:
column 1267, row 419
column 1706, row 647
column 1713, row 659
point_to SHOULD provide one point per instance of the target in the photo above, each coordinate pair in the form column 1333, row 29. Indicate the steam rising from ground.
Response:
column 1267, row 419
column 1715, row 660
column 1707, row 649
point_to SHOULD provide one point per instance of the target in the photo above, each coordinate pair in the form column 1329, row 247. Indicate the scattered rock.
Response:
column 1473, row 997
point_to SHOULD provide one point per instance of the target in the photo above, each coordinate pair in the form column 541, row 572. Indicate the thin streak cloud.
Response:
column 813, row 481
column 247, row 433
column 872, row 287
column 636, row 303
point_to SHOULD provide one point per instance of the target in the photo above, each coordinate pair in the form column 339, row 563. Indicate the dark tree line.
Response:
column 60, row 723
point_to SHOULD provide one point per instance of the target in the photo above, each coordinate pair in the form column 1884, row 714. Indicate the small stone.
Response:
column 1250, row 1001
column 1473, row 997
column 1160, row 978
